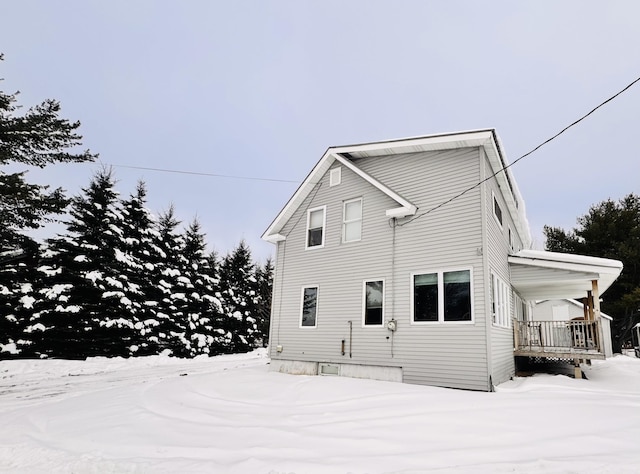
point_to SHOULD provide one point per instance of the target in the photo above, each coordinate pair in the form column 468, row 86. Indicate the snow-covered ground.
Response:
column 229, row 414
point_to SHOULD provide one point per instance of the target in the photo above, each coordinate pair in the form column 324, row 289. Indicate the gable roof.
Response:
column 487, row 139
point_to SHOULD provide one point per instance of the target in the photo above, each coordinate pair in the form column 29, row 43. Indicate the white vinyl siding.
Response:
column 352, row 220
column 316, row 221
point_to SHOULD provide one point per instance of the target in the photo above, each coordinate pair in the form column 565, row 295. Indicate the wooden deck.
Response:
column 575, row 339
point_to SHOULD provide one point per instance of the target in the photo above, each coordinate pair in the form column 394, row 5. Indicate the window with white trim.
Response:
column 441, row 297
column 352, row 220
column 373, row 303
column 309, row 307
column 497, row 210
column 500, row 302
column 315, row 227
column 511, row 244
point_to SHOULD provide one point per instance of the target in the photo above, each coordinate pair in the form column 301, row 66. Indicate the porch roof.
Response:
column 541, row 275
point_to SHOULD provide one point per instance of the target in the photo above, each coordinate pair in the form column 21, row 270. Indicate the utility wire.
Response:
column 202, row 174
column 520, row 158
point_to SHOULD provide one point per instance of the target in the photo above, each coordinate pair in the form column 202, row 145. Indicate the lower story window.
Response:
column 373, row 303
column 442, row 296
column 500, row 302
column 309, row 306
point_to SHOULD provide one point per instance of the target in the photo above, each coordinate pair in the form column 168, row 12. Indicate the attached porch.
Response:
column 539, row 275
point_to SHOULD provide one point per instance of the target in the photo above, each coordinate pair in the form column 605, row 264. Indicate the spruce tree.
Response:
column 200, row 308
column 264, row 285
column 37, row 138
column 139, row 234
column 85, row 306
column 171, row 329
column 239, row 293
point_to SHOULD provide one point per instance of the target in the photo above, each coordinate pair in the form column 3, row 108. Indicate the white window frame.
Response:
column 440, row 273
column 345, row 222
column 335, row 176
column 501, row 299
column 324, row 227
column 317, row 287
column 494, row 203
column 364, row 302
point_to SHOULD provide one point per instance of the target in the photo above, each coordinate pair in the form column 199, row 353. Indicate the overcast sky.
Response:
column 262, row 88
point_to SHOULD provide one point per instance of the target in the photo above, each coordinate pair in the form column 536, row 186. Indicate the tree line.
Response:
column 610, row 229
column 117, row 281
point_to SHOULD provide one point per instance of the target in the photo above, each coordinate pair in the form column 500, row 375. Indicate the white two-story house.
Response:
column 408, row 260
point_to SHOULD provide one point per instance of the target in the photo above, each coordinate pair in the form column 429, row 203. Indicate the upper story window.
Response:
column 373, row 303
column 497, row 210
column 352, row 220
column 441, row 297
column 335, row 176
column 315, row 227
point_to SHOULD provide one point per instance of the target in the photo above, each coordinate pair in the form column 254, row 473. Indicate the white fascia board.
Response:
column 455, row 139
column 299, row 196
column 407, row 208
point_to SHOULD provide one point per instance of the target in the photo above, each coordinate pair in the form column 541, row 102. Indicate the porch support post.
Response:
column 596, row 310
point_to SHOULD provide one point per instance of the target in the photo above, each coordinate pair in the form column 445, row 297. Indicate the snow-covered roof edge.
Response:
column 580, row 305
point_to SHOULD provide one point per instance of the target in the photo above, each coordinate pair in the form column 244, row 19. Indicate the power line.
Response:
column 521, row 157
column 201, row 174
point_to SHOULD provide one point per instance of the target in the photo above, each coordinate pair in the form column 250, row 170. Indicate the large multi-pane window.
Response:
column 373, row 303
column 315, row 227
column 443, row 296
column 309, row 306
column 352, row 220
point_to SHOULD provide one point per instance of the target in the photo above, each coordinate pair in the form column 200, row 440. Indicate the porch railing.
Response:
column 557, row 336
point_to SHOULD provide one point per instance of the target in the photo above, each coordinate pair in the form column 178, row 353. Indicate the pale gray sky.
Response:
column 263, row 88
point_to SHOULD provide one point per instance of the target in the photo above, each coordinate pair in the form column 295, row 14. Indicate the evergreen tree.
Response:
column 264, row 284
column 171, row 329
column 200, row 308
column 611, row 230
column 86, row 310
column 139, row 234
column 37, row 138
column 239, row 293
